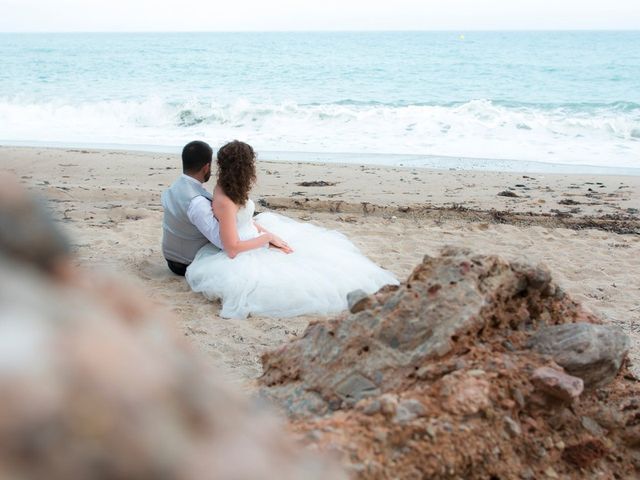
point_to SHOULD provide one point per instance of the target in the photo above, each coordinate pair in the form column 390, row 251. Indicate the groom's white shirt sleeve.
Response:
column 200, row 214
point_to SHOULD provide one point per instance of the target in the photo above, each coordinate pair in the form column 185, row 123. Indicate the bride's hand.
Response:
column 280, row 244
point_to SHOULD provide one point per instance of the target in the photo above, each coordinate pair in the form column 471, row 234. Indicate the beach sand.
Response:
column 585, row 228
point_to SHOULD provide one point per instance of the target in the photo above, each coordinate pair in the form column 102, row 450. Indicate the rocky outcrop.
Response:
column 446, row 377
column 96, row 383
column 446, row 305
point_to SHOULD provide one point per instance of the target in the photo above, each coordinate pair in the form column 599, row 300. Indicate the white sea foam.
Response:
column 607, row 135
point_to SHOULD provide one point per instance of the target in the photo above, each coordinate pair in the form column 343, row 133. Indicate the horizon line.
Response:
column 444, row 30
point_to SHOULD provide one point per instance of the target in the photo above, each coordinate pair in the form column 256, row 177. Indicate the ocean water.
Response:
column 489, row 98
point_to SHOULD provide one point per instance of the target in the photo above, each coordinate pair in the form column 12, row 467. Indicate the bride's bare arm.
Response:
column 275, row 240
column 225, row 211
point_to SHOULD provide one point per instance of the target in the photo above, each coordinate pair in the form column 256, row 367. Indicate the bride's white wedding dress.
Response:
column 315, row 279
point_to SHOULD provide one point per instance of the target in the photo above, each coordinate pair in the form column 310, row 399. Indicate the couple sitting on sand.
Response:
column 263, row 265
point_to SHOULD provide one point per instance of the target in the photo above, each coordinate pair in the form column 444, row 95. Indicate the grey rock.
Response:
column 610, row 418
column 409, row 410
column 592, row 427
column 357, row 300
column 372, row 408
column 591, row 352
column 518, row 397
column 355, row 387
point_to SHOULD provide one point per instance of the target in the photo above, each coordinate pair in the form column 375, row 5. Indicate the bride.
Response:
column 258, row 272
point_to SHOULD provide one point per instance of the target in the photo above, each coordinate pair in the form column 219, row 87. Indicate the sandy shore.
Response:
column 585, row 228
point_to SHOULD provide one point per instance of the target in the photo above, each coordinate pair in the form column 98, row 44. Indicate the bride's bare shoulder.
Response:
column 221, row 201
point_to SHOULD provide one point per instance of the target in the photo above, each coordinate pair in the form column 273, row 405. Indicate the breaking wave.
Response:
column 585, row 134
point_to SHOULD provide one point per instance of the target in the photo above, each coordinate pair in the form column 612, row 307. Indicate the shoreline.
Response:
column 556, row 200
column 429, row 162
column 585, row 228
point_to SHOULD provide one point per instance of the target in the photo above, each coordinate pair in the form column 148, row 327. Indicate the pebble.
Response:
column 557, row 383
column 314, row 435
column 388, row 404
column 381, row 435
column 518, row 397
column 592, row 427
column 512, row 427
column 357, row 300
column 528, row 474
column 409, row 410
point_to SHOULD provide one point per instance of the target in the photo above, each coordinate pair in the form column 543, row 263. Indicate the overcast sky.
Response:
column 241, row 15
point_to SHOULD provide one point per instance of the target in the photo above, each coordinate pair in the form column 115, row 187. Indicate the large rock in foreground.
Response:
column 436, row 379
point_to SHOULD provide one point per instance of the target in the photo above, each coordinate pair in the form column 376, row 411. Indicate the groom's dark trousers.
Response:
column 177, row 268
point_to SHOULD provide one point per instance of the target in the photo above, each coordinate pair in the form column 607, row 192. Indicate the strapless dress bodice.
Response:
column 244, row 221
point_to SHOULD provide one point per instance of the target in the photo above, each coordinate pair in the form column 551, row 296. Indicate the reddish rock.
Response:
column 585, row 453
column 440, row 372
column 557, row 384
column 463, row 394
column 445, row 303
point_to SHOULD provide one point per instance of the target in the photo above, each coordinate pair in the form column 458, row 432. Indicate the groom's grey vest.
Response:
column 181, row 240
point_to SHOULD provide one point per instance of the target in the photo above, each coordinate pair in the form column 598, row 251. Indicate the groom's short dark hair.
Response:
column 196, row 155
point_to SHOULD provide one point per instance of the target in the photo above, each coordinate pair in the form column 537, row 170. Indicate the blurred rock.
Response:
column 27, row 232
column 592, row 352
column 96, row 383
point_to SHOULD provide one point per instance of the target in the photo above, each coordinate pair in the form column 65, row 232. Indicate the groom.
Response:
column 188, row 222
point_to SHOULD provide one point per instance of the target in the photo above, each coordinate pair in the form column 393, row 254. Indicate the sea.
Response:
column 524, row 101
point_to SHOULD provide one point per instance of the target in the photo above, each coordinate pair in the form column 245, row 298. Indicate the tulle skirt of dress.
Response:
column 315, row 279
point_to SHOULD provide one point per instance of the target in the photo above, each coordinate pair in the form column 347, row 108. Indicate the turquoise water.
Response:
column 552, row 97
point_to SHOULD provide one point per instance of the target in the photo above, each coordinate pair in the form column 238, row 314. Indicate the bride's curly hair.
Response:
column 236, row 170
